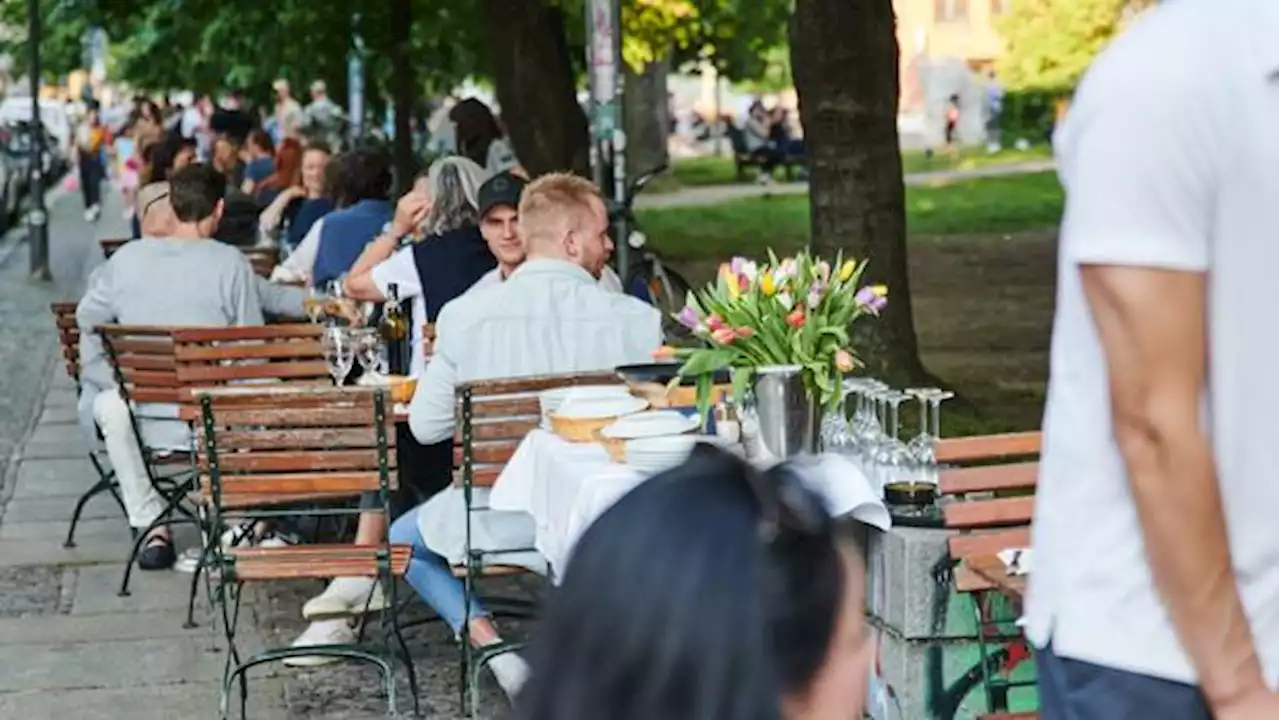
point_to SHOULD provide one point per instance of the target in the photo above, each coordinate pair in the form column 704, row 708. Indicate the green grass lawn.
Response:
column 747, row 227
column 703, row 171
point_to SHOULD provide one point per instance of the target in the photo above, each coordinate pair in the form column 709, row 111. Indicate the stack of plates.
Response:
column 655, row 423
column 550, row 400
column 655, row 454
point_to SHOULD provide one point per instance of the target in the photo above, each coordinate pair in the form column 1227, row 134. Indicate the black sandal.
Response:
column 157, row 554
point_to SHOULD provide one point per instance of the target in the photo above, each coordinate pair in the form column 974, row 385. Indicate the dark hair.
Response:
column 195, row 190
column 475, row 129
column 363, row 174
column 710, row 591
column 165, row 152
column 262, row 140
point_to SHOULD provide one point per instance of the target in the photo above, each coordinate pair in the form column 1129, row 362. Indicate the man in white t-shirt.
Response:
column 1155, row 591
column 498, row 200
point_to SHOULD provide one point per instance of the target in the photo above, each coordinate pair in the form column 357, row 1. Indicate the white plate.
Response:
column 607, row 407
column 550, row 400
column 654, row 423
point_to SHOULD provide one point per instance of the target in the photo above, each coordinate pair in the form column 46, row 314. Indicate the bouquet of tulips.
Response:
column 797, row 311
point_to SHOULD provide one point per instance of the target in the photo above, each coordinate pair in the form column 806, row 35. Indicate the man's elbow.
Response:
column 1150, row 436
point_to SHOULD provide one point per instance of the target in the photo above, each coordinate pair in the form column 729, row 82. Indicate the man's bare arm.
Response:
column 1152, row 327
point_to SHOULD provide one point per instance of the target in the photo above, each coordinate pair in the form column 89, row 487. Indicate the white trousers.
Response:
column 141, row 500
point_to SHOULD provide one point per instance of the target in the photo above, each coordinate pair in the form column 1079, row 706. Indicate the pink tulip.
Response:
column 844, row 361
column 724, row 335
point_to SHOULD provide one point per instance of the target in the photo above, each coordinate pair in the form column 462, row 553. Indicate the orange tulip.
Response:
column 666, row 352
column 796, row 319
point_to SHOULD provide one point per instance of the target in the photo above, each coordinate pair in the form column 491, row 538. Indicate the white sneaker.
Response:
column 188, row 560
column 511, row 672
column 327, row 632
column 345, row 597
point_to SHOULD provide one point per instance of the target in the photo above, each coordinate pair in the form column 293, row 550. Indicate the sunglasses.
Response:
column 786, row 505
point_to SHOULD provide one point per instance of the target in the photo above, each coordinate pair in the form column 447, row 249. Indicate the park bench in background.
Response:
column 742, row 159
column 991, row 507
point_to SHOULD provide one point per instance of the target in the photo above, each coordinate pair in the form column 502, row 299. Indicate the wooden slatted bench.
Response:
column 991, row 506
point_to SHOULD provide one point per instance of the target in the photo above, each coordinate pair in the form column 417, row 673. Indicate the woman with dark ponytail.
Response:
column 712, row 591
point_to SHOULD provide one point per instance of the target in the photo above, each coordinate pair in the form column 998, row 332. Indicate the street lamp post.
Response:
column 37, row 218
column 608, row 137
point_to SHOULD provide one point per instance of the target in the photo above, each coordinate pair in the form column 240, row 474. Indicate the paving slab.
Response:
column 94, row 629
column 54, row 477
column 59, row 415
column 44, row 509
column 15, row 553
column 57, row 433
column 28, row 591
column 157, row 702
column 108, row 664
column 97, row 586
column 55, row 450
column 105, row 530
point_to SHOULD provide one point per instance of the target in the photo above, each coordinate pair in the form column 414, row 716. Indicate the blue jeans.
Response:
column 431, row 577
column 1076, row 690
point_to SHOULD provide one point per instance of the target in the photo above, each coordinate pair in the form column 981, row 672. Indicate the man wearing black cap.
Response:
column 498, row 199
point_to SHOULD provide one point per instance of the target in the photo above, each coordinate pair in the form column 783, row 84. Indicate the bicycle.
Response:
column 649, row 278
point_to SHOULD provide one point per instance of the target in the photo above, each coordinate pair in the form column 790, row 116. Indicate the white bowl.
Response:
column 655, row 423
column 601, row 407
column 550, row 400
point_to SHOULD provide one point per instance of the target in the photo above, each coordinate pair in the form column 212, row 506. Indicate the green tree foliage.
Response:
column 64, row 29
column 1050, row 43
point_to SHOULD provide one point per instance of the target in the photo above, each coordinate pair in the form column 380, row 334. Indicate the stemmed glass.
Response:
column 921, row 446
column 339, row 352
column 891, row 454
column 314, row 304
column 370, row 352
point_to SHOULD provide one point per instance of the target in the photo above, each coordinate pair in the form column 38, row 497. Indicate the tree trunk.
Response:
column 644, row 111
column 844, row 57
column 402, row 91
column 525, row 41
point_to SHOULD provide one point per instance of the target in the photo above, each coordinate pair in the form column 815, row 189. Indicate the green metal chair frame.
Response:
column 501, row 413
column 64, row 316
column 286, row 414
column 143, row 363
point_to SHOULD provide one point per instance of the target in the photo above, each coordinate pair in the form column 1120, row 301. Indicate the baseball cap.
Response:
column 501, row 189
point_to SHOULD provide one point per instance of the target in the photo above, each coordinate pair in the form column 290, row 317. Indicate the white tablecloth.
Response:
column 565, row 486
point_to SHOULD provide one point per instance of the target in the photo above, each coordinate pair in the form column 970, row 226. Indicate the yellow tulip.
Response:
column 846, row 270
column 880, row 290
column 767, row 284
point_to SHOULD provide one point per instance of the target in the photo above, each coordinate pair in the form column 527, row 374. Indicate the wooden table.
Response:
column 992, row 569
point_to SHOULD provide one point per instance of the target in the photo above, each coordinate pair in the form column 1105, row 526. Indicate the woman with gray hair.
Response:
column 447, row 259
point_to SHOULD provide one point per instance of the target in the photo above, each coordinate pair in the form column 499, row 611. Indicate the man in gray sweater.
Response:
column 181, row 278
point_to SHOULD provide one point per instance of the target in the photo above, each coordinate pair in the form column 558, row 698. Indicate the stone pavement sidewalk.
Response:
column 69, row 645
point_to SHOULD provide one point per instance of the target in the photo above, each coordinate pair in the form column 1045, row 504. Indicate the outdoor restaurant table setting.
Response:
column 564, row 485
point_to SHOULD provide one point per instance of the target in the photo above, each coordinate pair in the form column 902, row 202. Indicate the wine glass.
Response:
column 370, row 352
column 921, row 446
column 339, row 352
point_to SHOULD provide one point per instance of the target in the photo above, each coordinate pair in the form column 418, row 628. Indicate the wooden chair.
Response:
column 493, row 418
column 274, row 444
column 991, row 508
column 64, row 317
column 263, row 259
column 111, row 245
column 208, row 357
column 142, row 358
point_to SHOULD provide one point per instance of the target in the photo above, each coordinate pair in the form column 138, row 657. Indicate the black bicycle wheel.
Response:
column 663, row 288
